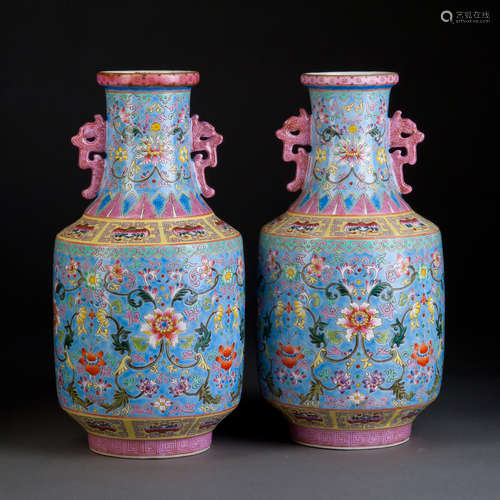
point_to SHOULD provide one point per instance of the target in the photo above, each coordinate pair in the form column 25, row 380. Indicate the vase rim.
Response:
column 349, row 78
column 148, row 78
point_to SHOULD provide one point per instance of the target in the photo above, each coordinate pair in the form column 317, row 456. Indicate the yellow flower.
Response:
column 218, row 317
column 80, row 320
column 121, row 154
column 301, row 314
column 280, row 309
column 320, row 154
column 381, row 156
column 103, row 323
column 183, row 154
column 353, row 129
column 155, row 127
column 415, row 311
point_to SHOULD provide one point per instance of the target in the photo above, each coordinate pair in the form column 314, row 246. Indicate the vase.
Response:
column 351, row 290
column 148, row 283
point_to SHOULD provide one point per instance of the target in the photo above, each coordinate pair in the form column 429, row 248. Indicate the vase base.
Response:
column 350, row 440
column 150, row 448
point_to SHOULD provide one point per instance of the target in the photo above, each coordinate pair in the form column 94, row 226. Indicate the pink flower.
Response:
column 316, row 265
column 361, row 319
column 402, row 266
column 436, row 259
column 163, row 324
column 206, row 267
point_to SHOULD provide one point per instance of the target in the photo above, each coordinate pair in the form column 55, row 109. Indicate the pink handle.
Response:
column 302, row 125
column 397, row 127
column 91, row 138
column 205, row 138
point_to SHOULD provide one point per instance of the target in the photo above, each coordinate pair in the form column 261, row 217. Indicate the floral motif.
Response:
column 316, row 266
column 116, row 272
column 148, row 387
column 226, row 356
column 422, row 352
column 163, row 324
column 162, row 404
column 320, row 155
column 352, row 152
column 92, row 362
column 402, row 266
column 342, row 380
column 206, row 267
column 381, row 156
column 153, row 149
column 289, row 355
column 179, row 387
column 359, row 318
column 373, row 380
column 291, row 272
column 356, row 397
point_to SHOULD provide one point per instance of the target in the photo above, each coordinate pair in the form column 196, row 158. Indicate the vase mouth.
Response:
column 148, row 78
column 349, row 78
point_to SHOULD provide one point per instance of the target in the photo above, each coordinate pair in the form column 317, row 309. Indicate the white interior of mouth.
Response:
column 350, row 73
column 151, row 71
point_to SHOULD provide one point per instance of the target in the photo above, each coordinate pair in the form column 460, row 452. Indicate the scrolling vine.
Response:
column 162, row 330
column 357, row 296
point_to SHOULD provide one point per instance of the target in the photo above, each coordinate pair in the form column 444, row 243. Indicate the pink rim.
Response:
column 154, row 448
column 148, row 78
column 348, row 78
column 374, row 438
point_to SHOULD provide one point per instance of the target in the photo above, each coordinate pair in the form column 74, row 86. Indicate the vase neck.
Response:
column 149, row 172
column 350, row 166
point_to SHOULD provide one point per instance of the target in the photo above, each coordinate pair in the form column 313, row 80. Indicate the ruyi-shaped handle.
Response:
column 296, row 131
column 206, row 139
column 91, row 138
column 412, row 136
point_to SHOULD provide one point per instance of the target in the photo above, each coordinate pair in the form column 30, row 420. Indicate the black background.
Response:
column 250, row 61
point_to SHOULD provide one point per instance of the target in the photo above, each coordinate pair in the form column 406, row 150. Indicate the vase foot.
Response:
column 350, row 440
column 151, row 448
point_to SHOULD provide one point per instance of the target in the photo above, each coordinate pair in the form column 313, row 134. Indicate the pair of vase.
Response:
column 149, row 282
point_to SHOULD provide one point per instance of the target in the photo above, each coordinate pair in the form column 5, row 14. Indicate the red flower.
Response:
column 92, row 362
column 289, row 355
column 226, row 356
column 422, row 352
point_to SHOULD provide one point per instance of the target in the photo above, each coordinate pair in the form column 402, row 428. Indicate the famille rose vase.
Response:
column 148, row 283
column 351, row 290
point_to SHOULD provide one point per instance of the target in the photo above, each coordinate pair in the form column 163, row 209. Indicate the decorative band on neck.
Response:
column 349, row 79
column 147, row 78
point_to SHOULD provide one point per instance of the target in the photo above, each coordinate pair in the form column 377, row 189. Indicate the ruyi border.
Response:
column 351, row 419
column 103, row 231
column 148, row 428
column 350, row 227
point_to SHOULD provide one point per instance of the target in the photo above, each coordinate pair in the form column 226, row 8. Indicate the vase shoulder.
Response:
column 147, row 232
column 332, row 227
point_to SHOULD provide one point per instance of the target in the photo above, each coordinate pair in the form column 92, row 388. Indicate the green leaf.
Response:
column 400, row 332
column 71, row 301
column 335, row 337
column 315, row 392
column 204, row 337
column 206, row 396
column 140, row 344
column 179, row 295
column 187, row 342
column 143, row 297
column 60, row 292
column 382, row 337
column 120, row 399
column 117, row 306
column 73, row 394
column 270, row 384
column 120, row 340
column 70, row 336
column 378, row 289
column 403, row 299
column 399, row 391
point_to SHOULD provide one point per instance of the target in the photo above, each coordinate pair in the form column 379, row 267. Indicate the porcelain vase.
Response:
column 149, row 282
column 351, row 291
